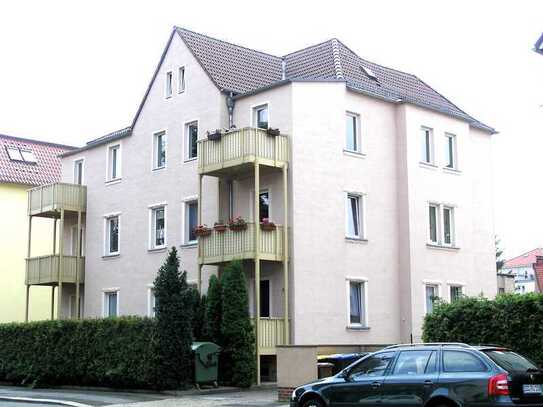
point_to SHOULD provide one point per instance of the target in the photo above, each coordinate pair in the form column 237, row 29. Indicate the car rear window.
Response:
column 458, row 361
column 509, row 360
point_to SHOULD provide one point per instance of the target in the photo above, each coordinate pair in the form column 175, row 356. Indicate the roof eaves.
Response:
column 281, row 83
column 117, row 135
column 28, row 140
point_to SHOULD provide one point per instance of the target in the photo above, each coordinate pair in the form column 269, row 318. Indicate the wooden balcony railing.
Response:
column 44, row 270
column 53, row 197
column 272, row 334
column 240, row 147
column 220, row 247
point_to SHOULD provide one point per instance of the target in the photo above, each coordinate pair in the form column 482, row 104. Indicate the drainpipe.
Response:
column 230, row 102
column 283, row 69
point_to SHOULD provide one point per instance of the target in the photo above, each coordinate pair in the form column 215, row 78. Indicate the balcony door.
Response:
column 264, row 204
column 265, row 299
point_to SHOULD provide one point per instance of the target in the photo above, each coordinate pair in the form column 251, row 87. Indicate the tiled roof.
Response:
column 243, row 70
column 524, row 260
column 45, row 170
column 115, row 135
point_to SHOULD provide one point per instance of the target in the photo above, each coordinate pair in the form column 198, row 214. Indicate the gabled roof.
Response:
column 45, row 170
column 524, row 260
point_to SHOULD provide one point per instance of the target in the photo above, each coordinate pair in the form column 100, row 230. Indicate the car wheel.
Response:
column 313, row 403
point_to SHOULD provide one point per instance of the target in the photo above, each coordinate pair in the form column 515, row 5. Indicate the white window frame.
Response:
column 186, row 137
column 154, row 149
column 109, row 164
column 431, row 148
column 152, row 223
column 432, row 283
column 105, row 301
column 451, row 225
column 168, row 85
column 107, row 237
column 254, row 115
column 365, row 311
column 450, row 136
column 362, row 230
column 75, row 173
column 440, row 224
column 181, row 79
column 151, row 311
column 185, row 232
column 451, row 284
column 358, row 133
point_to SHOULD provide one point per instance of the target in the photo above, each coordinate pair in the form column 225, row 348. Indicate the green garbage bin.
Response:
column 206, row 363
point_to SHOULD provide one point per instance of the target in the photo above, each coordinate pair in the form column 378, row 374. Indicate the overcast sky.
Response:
column 71, row 71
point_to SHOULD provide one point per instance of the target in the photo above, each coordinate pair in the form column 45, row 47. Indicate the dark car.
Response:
column 430, row 375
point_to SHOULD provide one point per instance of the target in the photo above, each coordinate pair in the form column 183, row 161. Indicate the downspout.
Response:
column 283, row 69
column 230, row 103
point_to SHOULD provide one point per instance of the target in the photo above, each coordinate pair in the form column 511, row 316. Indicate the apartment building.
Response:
column 522, row 268
column 24, row 163
column 379, row 188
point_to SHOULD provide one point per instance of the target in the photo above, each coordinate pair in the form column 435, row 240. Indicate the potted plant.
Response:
column 202, row 230
column 267, row 225
column 238, row 223
column 273, row 132
column 214, row 135
column 219, row 227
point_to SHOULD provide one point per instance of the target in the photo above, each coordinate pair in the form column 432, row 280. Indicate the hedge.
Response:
column 115, row 352
column 512, row 320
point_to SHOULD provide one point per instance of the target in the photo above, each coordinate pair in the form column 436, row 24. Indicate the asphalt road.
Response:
column 4, row 403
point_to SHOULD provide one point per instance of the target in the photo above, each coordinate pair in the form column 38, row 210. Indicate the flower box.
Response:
column 215, row 135
column 273, row 132
column 237, row 224
column 220, row 227
column 202, row 230
column 267, row 225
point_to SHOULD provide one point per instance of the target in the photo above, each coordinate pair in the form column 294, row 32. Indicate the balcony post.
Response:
column 55, row 236
column 200, row 178
column 52, row 303
column 60, row 263
column 29, row 250
column 77, row 263
column 257, row 268
column 285, row 253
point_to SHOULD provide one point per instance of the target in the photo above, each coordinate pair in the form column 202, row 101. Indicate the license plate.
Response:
column 531, row 388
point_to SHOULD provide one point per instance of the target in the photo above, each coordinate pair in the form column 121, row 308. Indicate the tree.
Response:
column 499, row 252
column 214, row 311
column 173, row 318
column 239, row 361
column 198, row 304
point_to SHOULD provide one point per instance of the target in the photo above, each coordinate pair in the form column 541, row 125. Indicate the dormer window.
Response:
column 21, row 154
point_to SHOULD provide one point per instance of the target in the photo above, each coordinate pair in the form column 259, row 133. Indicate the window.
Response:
column 415, row 363
column 455, row 292
column 264, row 205
column 114, row 163
column 458, row 361
column 427, row 145
column 191, row 131
column 501, row 290
column 191, row 221
column 265, row 298
column 20, row 154
column 441, row 230
column 357, row 303
column 181, row 79
column 78, row 171
column 14, row 154
column 260, row 116
column 169, row 84
column 112, row 235
column 28, row 156
column 372, row 366
column 432, row 294
column 354, row 227
column 158, row 227
column 152, row 302
column 111, row 304
column 450, row 150
column 159, row 150
column 352, row 142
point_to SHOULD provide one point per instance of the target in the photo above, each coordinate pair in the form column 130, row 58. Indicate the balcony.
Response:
column 44, row 270
column 220, row 247
column 47, row 200
column 240, row 148
column 272, row 334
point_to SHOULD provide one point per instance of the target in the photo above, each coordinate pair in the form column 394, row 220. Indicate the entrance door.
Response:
column 265, row 299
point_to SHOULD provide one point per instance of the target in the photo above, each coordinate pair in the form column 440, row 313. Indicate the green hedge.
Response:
column 116, row 352
column 512, row 320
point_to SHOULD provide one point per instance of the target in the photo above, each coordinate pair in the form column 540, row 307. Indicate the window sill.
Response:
column 355, row 154
column 159, row 169
column 357, row 328
column 189, row 160
column 429, row 166
column 111, row 256
column 158, row 249
column 355, row 240
column 453, row 171
column 190, row 245
column 113, row 181
column 442, row 247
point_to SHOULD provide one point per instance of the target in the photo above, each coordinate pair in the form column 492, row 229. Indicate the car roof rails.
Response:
column 407, row 345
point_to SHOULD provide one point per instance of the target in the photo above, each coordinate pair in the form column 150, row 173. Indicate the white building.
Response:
column 523, row 268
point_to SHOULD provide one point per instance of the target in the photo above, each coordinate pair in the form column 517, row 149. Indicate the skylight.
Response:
column 369, row 72
column 19, row 154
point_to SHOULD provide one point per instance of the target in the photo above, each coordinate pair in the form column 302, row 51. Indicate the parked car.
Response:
column 430, row 375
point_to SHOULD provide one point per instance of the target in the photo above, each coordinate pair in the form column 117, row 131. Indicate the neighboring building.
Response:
column 506, row 283
column 23, row 164
column 380, row 188
column 538, row 47
column 522, row 268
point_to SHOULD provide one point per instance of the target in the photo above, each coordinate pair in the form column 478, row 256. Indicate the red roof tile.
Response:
column 524, row 260
column 45, row 170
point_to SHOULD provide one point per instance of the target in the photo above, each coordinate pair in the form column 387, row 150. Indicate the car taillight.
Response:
column 498, row 386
